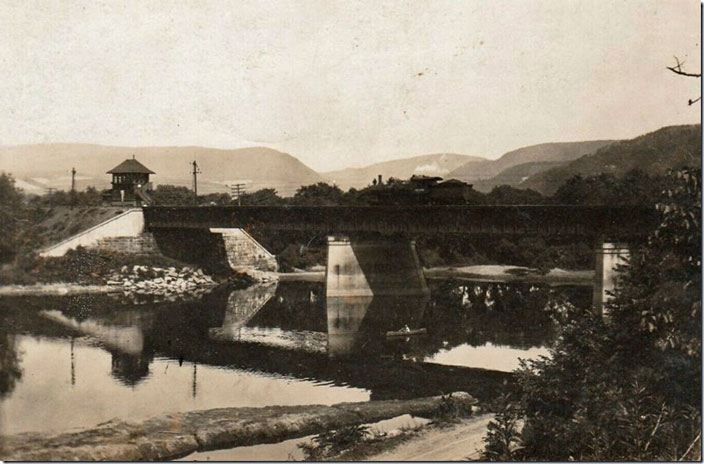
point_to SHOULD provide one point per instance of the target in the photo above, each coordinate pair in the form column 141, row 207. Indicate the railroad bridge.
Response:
column 371, row 250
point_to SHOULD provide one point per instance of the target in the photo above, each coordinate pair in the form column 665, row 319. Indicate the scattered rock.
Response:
column 163, row 283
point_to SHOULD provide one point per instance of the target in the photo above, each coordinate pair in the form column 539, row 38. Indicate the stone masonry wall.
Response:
column 143, row 244
column 244, row 253
column 127, row 224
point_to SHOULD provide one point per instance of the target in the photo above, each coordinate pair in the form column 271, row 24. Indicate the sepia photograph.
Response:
column 351, row 230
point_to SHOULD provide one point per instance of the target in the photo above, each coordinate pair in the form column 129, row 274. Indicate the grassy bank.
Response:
column 80, row 266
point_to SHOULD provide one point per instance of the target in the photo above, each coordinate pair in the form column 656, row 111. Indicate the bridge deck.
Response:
column 612, row 222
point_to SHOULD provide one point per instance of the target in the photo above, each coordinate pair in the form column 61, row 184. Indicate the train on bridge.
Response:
column 418, row 190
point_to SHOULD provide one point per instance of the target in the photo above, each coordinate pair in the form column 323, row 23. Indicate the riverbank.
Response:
column 484, row 273
column 156, row 282
column 507, row 274
column 54, row 289
column 179, row 434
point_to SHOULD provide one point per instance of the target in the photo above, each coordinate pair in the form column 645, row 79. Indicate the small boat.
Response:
column 405, row 332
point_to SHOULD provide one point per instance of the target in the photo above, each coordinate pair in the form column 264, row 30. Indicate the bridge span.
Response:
column 605, row 221
column 370, row 248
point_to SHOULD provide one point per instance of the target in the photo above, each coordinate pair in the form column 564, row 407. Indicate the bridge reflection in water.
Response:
column 356, row 325
column 93, row 358
column 284, row 334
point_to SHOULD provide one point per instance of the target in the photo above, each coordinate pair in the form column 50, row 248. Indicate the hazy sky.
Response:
column 344, row 83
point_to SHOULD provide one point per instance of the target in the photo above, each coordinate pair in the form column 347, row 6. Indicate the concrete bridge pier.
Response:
column 609, row 255
column 372, row 285
column 373, row 267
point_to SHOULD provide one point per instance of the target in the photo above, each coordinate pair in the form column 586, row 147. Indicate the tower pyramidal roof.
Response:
column 130, row 166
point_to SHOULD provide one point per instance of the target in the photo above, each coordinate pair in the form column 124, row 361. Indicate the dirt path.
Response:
column 455, row 443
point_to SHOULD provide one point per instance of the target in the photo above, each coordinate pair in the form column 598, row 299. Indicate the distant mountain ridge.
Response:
column 49, row 165
column 542, row 167
column 559, row 152
column 670, row 147
column 516, row 175
column 439, row 164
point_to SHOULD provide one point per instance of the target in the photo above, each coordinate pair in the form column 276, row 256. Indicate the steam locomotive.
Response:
column 418, row 190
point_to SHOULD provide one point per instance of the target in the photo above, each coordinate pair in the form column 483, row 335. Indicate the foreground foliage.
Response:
column 626, row 384
column 335, row 442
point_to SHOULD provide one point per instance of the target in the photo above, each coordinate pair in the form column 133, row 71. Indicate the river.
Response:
column 74, row 362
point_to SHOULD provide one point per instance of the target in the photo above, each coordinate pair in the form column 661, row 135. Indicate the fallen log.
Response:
column 179, row 434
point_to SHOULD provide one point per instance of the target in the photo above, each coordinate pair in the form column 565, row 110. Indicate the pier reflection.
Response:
column 357, row 326
column 282, row 318
column 240, row 308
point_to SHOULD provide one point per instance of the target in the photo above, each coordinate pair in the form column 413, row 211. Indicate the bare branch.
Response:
column 696, row 439
column 677, row 69
column 655, row 429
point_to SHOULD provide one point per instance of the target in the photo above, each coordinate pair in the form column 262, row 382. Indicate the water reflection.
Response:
column 357, row 326
column 10, row 369
column 80, row 361
column 127, row 338
column 487, row 356
column 241, row 306
column 125, row 342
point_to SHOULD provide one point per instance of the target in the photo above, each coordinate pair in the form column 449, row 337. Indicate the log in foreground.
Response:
column 179, row 434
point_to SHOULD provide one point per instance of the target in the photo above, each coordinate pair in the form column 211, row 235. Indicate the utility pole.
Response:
column 195, row 382
column 236, row 191
column 73, row 187
column 196, row 171
column 49, row 193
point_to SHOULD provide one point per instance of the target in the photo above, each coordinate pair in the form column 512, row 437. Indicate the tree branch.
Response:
column 655, row 429
column 677, row 69
column 699, row 435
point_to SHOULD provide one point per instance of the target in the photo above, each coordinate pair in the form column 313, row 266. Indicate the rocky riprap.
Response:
column 161, row 282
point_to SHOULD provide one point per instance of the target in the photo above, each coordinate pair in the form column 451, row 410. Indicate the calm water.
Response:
column 73, row 362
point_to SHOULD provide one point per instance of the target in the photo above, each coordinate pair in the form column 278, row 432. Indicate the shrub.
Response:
column 626, row 386
column 334, row 442
column 503, row 438
column 452, row 409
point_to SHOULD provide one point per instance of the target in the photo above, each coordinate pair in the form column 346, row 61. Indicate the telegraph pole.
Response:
column 49, row 193
column 236, row 190
column 73, row 187
column 196, row 171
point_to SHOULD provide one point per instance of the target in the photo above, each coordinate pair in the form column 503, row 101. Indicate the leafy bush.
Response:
column 452, row 409
column 299, row 257
column 334, row 442
column 503, row 438
column 627, row 385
